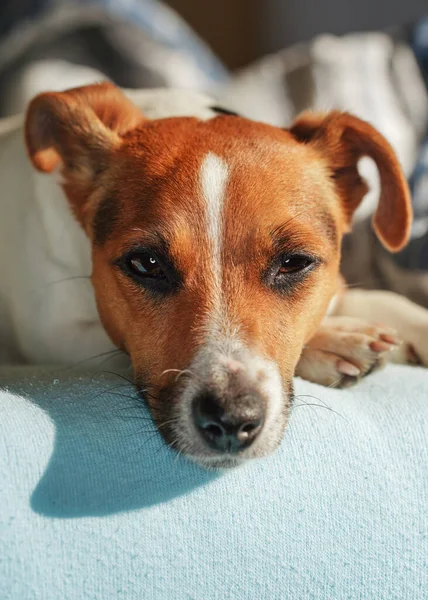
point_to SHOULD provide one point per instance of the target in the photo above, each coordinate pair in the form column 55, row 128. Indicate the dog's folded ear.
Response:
column 343, row 139
column 78, row 129
column 78, row 124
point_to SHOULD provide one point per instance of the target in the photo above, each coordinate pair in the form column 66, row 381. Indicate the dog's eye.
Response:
column 145, row 265
column 294, row 263
column 150, row 270
column 289, row 270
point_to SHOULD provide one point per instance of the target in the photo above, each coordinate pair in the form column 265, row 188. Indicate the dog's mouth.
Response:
column 216, row 432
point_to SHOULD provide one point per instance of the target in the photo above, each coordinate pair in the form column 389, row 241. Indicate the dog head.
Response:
column 215, row 250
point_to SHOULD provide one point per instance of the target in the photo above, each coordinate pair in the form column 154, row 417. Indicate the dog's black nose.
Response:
column 228, row 429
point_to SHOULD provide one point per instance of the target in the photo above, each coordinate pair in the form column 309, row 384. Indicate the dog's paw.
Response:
column 344, row 350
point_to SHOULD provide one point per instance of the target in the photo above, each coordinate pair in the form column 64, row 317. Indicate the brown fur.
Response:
column 300, row 186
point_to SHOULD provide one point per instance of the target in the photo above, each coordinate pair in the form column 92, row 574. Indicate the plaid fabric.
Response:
column 377, row 76
column 373, row 75
column 135, row 43
column 415, row 256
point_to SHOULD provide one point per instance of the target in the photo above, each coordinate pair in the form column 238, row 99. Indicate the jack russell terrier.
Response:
column 213, row 245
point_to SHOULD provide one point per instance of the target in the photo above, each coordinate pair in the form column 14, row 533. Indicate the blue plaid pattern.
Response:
column 165, row 26
column 415, row 256
column 156, row 19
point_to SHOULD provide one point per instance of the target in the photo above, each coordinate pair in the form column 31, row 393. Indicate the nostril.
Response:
column 227, row 430
column 249, row 427
column 213, row 429
column 248, row 431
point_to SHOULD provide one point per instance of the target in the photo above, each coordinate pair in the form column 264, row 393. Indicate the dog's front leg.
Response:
column 367, row 329
column 344, row 349
column 409, row 320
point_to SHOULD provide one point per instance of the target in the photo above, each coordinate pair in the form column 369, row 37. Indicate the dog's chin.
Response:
column 215, row 463
column 224, row 461
column 188, row 443
column 195, row 450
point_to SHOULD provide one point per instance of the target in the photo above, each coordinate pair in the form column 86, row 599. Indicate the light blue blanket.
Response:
column 94, row 506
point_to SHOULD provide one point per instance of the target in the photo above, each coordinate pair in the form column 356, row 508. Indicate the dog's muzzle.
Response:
column 228, row 424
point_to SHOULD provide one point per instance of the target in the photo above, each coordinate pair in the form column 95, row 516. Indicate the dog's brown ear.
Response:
column 343, row 139
column 78, row 129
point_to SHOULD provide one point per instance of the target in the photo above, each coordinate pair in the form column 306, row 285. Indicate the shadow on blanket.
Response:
column 107, row 456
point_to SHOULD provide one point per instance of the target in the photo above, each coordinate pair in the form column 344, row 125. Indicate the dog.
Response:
column 213, row 246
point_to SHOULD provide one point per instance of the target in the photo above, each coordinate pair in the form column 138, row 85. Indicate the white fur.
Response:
column 407, row 318
column 212, row 367
column 43, row 317
column 213, row 176
column 223, row 351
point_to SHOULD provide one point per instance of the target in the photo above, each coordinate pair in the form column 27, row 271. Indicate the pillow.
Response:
column 94, row 505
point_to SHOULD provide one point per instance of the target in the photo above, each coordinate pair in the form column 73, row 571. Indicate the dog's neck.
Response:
column 67, row 246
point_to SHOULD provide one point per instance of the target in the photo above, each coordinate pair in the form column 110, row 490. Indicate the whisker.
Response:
column 128, row 396
column 85, row 277
column 300, row 405
column 168, row 422
column 178, row 454
column 314, row 397
column 151, row 437
column 81, row 362
column 152, row 431
column 179, row 372
column 109, row 358
column 116, row 374
column 322, row 405
column 354, row 285
column 334, row 384
column 115, row 387
column 136, row 418
column 284, row 225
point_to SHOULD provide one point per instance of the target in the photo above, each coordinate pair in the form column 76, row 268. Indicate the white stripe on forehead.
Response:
column 213, row 176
